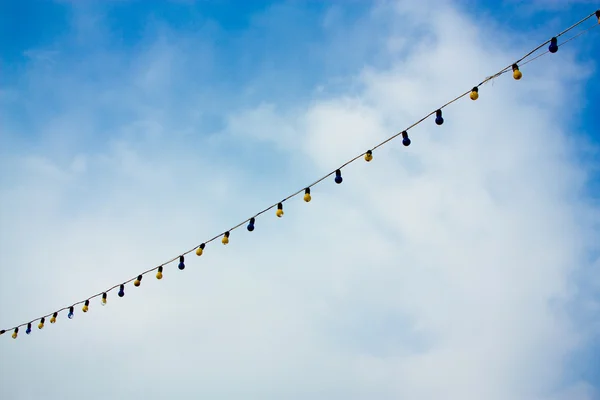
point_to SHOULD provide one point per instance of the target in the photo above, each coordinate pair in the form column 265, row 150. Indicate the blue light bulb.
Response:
column 122, row 291
column 181, row 264
column 405, row 139
column 250, row 226
column 28, row 331
column 71, row 314
column 338, row 177
column 553, row 48
column 438, row 117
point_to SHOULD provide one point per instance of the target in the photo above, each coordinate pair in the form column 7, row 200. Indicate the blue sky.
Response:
column 462, row 266
column 260, row 42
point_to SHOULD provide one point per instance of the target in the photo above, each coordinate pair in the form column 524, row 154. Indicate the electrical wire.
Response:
column 489, row 78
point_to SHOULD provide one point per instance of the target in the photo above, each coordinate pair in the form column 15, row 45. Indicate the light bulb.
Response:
column 200, row 249
column 181, row 265
column 250, row 226
column 86, row 306
column 103, row 299
column 307, row 197
column 15, row 333
column 438, row 117
column 553, row 48
column 516, row 73
column 405, row 139
column 338, row 176
column 121, row 291
column 53, row 319
column 137, row 282
column 279, row 211
column 598, row 15
column 225, row 239
column 474, row 93
column 159, row 273
column 41, row 324
column 71, row 313
column 368, row 156
column 28, row 330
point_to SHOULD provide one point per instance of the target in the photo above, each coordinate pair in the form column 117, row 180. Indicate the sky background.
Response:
column 462, row 267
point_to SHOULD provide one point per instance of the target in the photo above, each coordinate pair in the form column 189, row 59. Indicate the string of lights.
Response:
column 473, row 93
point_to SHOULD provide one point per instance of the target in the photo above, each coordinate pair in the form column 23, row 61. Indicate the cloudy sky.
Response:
column 462, row 267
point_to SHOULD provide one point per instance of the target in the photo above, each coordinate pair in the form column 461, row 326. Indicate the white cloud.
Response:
column 440, row 270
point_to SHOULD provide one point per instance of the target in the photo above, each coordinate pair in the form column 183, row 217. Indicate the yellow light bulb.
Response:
column 199, row 251
column 225, row 239
column 279, row 211
column 14, row 335
column 369, row 156
column 136, row 283
column 104, row 300
column 516, row 73
column 85, row 308
column 474, row 94
column 307, row 197
column 40, row 325
column 159, row 273
column 53, row 319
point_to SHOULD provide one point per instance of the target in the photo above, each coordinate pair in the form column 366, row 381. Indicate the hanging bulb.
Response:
column 159, row 273
column 53, row 319
column 28, row 330
column 181, row 265
column 200, row 249
column 86, row 306
column 338, row 176
column 71, row 313
column 137, row 282
column 103, row 299
column 41, row 324
column 369, row 156
column 405, row 139
column 279, row 211
column 438, row 117
column 122, row 291
column 598, row 15
column 225, row 239
column 250, row 226
column 307, row 197
column 553, row 48
column 474, row 93
column 516, row 73
column 15, row 333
